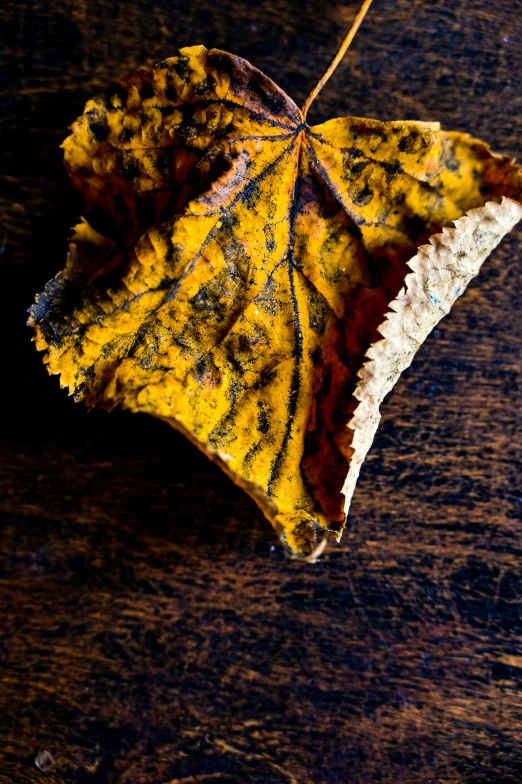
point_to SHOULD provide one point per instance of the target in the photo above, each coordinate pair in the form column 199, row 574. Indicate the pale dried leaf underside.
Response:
column 441, row 273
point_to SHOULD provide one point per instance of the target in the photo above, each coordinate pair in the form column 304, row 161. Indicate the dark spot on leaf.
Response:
column 207, row 373
column 349, row 154
column 99, row 131
column 146, row 91
column 126, row 135
column 393, row 169
column 263, row 421
column 208, row 85
column 450, row 159
column 363, row 197
column 187, row 128
column 269, row 238
column 181, row 67
column 171, row 94
column 413, row 142
column 357, row 168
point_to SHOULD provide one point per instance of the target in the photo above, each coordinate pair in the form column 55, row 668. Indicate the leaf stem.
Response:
column 338, row 57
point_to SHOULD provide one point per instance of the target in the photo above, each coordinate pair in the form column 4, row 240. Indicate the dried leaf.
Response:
column 236, row 269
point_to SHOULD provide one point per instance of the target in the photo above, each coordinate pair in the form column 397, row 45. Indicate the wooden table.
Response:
column 152, row 631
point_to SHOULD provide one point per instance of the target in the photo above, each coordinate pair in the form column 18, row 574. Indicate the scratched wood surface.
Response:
column 151, row 630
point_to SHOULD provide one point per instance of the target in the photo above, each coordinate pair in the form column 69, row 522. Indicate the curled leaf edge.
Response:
column 418, row 307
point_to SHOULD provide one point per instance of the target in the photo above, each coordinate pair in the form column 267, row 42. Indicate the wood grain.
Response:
column 152, row 631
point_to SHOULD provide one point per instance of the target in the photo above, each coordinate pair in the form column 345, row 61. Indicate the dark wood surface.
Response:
column 152, row 631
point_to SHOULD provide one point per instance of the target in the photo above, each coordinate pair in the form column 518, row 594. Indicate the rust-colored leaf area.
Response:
column 235, row 265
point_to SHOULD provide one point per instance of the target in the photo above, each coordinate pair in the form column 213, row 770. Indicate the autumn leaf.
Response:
column 258, row 283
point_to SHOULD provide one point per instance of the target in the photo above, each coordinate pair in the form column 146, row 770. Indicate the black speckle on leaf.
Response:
column 181, row 67
column 99, row 131
column 363, row 197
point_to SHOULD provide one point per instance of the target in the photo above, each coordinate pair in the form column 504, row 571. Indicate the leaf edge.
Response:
column 444, row 261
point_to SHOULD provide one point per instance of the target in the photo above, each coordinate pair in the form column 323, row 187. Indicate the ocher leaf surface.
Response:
column 235, row 266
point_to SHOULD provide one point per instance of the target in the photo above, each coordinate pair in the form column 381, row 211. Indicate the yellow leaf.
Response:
column 236, row 267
